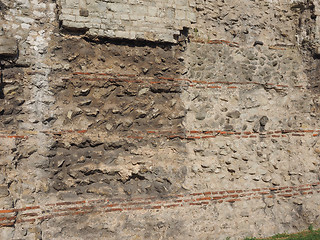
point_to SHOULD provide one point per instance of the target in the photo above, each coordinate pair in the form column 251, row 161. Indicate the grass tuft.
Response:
column 309, row 234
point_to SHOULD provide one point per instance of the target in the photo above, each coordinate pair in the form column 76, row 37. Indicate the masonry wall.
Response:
column 205, row 129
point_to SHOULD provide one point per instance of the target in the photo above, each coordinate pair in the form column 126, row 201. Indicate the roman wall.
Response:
column 171, row 119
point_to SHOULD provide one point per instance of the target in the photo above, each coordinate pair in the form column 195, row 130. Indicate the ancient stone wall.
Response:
column 158, row 119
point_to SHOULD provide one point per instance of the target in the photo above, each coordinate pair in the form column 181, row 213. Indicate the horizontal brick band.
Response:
column 35, row 214
column 235, row 44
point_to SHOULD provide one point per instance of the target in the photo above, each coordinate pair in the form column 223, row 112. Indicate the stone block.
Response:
column 317, row 50
column 8, row 47
column 67, row 17
column 4, row 191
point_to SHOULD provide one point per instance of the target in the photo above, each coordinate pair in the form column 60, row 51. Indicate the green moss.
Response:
column 305, row 235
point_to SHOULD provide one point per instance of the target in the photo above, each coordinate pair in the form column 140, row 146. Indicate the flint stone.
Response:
column 4, row 191
column 8, row 47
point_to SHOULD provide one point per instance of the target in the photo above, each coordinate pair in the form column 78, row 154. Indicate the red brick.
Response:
column 82, row 131
column 216, row 198
column 233, row 200
column 194, row 203
column 137, row 208
column 263, row 193
column 172, row 205
column 193, row 137
column 234, row 196
column 304, row 189
column 29, row 214
column 80, row 212
column 285, row 195
column 46, row 217
column 155, row 207
column 208, row 136
column 111, row 205
column 7, row 210
column 191, row 132
column 231, row 191
column 208, row 132
column 7, row 218
column 25, row 220
column 135, row 137
column 204, row 198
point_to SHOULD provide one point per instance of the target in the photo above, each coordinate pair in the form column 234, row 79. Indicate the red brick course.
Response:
column 34, row 214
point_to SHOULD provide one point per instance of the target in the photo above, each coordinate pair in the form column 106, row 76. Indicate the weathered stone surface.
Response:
column 8, row 47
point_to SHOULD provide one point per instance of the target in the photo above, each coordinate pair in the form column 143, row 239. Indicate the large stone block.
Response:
column 8, row 47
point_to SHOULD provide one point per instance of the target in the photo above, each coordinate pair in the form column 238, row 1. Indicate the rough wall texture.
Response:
column 198, row 126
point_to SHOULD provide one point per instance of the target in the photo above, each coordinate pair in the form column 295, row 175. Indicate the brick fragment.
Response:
column 233, row 200
column 204, row 198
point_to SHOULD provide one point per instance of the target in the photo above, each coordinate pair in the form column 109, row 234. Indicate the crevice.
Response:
column 133, row 176
column 129, row 42
column 1, row 82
